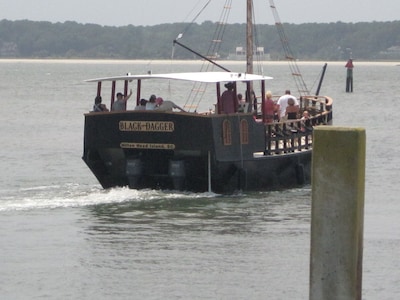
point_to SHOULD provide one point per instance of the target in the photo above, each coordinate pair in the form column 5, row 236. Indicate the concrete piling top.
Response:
column 337, row 217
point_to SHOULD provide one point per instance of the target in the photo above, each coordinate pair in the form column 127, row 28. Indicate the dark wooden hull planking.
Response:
column 195, row 152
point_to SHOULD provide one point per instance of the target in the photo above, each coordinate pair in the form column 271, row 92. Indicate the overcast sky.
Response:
column 152, row 12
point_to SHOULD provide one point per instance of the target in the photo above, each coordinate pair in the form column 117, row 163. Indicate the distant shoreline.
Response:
column 180, row 62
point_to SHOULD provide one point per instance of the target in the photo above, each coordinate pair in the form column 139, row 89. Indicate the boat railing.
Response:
column 296, row 135
column 289, row 136
column 315, row 103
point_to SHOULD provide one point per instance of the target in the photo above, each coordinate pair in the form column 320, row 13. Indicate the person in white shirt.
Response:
column 151, row 104
column 283, row 103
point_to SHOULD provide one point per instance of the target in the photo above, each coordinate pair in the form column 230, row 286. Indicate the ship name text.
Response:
column 147, row 126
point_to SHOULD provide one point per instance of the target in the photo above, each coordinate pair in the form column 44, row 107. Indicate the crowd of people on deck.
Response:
column 285, row 108
column 154, row 103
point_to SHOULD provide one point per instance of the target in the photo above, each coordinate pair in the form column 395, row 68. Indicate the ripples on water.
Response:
column 160, row 244
column 63, row 237
column 210, row 243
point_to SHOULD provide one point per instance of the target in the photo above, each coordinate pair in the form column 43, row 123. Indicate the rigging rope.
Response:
column 180, row 35
column 197, row 92
column 298, row 78
column 214, row 48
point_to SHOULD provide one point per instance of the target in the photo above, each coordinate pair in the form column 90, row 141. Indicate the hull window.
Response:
column 244, row 132
column 227, row 132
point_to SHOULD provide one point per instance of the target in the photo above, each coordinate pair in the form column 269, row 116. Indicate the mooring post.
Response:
column 337, row 216
column 349, row 76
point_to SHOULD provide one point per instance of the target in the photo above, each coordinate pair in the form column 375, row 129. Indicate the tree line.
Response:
column 310, row 41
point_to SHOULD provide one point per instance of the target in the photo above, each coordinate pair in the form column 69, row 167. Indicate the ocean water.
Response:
column 63, row 237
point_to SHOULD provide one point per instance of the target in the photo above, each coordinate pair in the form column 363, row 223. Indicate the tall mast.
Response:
column 249, row 37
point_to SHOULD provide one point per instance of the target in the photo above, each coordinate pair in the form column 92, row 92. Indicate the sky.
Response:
column 154, row 12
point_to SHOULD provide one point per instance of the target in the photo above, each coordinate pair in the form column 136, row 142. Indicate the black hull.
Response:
column 192, row 152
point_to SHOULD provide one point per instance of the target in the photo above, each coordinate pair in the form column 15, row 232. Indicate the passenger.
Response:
column 283, row 103
column 253, row 98
column 98, row 106
column 269, row 107
column 240, row 99
column 151, row 104
column 142, row 105
column 120, row 104
column 241, row 103
column 292, row 111
column 228, row 99
column 306, row 122
column 276, row 111
column 166, row 105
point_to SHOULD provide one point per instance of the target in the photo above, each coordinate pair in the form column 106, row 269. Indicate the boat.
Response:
column 224, row 150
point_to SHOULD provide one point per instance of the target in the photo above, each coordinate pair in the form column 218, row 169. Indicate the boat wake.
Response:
column 76, row 195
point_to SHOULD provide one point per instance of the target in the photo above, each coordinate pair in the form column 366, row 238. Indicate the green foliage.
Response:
column 333, row 41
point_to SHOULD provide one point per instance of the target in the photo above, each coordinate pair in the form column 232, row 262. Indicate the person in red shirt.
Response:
column 269, row 106
column 228, row 99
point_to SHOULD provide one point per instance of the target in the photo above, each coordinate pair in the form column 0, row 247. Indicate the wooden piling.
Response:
column 338, row 184
column 349, row 76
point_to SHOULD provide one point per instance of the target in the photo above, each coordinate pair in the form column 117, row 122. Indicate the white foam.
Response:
column 75, row 195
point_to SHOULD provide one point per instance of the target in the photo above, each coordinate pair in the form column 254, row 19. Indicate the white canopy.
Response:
column 208, row 77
